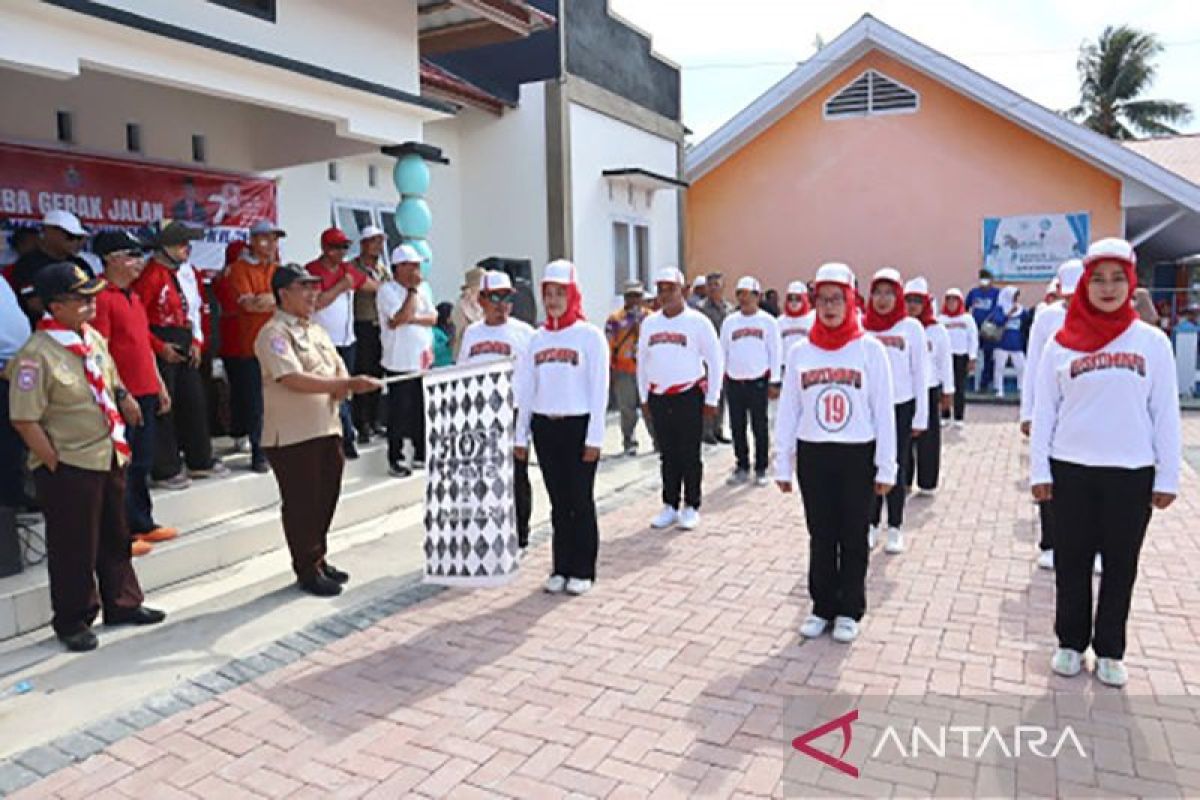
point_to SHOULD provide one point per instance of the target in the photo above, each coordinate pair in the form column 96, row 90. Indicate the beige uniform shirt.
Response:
column 48, row 385
column 288, row 345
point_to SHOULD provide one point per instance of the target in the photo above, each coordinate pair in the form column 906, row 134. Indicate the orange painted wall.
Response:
column 905, row 190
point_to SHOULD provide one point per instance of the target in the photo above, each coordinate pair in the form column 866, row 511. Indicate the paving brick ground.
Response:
column 676, row 676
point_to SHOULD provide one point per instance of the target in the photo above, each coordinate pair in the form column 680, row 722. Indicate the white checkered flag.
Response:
column 470, row 516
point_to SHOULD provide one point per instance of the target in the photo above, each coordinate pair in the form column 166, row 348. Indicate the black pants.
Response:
column 406, row 418
column 571, row 484
column 138, row 507
column 925, row 458
column 985, row 352
column 895, row 498
column 186, row 425
column 837, row 482
column 679, row 426
column 12, row 456
column 309, row 475
column 523, row 499
column 368, row 351
column 749, row 399
column 960, row 386
column 1046, row 518
column 1101, row 510
column 245, row 389
column 347, row 354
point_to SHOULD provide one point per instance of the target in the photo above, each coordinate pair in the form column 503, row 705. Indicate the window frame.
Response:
column 638, row 269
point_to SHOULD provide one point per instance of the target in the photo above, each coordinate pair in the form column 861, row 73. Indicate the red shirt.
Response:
column 166, row 307
column 330, row 276
column 121, row 319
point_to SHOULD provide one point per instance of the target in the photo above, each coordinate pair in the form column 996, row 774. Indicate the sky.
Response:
column 731, row 51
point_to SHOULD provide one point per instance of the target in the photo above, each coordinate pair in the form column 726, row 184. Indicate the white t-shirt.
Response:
column 565, row 374
column 842, row 395
column 679, row 351
column 14, row 325
column 939, row 368
column 963, row 333
column 906, row 349
column 1045, row 325
column 482, row 343
column 751, row 346
column 1117, row 407
column 408, row 348
column 796, row 329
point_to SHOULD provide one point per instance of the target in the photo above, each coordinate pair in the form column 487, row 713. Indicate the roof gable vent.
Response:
column 871, row 94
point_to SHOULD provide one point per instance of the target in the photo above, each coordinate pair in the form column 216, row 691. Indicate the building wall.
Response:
column 909, row 190
column 599, row 142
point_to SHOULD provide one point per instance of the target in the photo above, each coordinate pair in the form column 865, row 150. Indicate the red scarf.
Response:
column 926, row 317
column 828, row 338
column 805, row 307
column 73, row 342
column 962, row 307
column 574, row 311
column 1087, row 329
column 882, row 322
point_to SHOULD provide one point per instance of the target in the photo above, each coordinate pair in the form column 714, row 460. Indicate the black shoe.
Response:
column 334, row 574
column 722, row 439
column 80, row 641
column 399, row 470
column 321, row 586
column 135, row 616
column 260, row 466
column 350, row 451
column 710, row 440
column 364, row 437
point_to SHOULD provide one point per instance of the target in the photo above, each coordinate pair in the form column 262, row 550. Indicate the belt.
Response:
column 679, row 388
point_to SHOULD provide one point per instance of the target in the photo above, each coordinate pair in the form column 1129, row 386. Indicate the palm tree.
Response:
column 1113, row 73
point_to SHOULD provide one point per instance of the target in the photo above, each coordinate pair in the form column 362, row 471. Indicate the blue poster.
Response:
column 1030, row 248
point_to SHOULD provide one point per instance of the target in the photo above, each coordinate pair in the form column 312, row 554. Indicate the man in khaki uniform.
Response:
column 304, row 382
column 68, row 404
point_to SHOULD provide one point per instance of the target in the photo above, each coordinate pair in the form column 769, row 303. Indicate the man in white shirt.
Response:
column 750, row 344
column 406, row 321
column 14, row 331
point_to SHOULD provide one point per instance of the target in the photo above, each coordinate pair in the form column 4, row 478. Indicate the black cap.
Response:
column 287, row 274
column 108, row 242
column 176, row 232
column 986, row 273
column 55, row 280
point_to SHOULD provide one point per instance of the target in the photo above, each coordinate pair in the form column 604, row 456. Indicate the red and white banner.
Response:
column 109, row 192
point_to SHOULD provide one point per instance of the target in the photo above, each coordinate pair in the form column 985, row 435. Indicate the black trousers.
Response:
column 1046, row 518
column 138, row 508
column 309, row 475
column 678, row 427
column 12, row 456
column 748, row 399
column 837, row 482
column 406, row 418
column 925, row 459
column 960, row 387
column 347, row 355
column 368, row 351
column 246, row 400
column 571, row 484
column 523, row 499
column 895, row 498
column 186, row 425
column 1101, row 510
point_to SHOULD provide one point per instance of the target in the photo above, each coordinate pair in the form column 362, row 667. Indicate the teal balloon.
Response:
column 411, row 175
column 422, row 247
column 414, row 218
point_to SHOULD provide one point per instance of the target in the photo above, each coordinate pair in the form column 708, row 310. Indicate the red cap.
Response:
column 334, row 236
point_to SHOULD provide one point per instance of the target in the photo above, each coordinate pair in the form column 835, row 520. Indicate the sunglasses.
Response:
column 499, row 297
column 343, row 246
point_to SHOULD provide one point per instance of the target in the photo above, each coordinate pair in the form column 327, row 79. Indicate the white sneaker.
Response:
column 761, row 479
column 958, row 423
column 665, row 519
column 1067, row 662
column 895, row 542
column 928, row 492
column 738, row 477
column 1098, row 565
column 1111, row 672
column 845, row 630
column 578, row 586
column 689, row 519
column 872, row 537
column 1045, row 559
column 555, row 584
column 813, row 627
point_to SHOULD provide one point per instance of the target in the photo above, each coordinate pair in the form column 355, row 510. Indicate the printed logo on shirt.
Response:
column 27, row 375
column 490, row 348
column 834, row 408
column 842, row 376
column 668, row 337
column 557, row 355
column 278, row 344
column 795, row 332
column 962, row 326
column 1133, row 362
column 742, row 333
column 898, row 342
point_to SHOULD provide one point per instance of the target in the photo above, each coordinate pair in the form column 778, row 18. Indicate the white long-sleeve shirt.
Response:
column 679, row 351
column 482, row 343
column 843, row 396
column 1046, row 324
column 751, row 346
column 793, row 330
column 189, row 283
column 963, row 333
column 565, row 374
column 1117, row 407
column 939, row 367
column 906, row 349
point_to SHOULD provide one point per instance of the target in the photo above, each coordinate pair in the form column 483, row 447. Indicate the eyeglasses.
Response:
column 836, row 300
column 499, row 297
column 343, row 246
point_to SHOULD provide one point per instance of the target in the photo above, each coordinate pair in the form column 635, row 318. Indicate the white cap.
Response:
column 1069, row 273
column 954, row 292
column 797, row 287
column 1052, row 287
column 749, row 283
column 57, row 218
column 917, row 286
column 495, row 281
column 560, row 271
column 370, row 232
column 406, row 254
column 669, row 275
column 890, row 274
column 700, row 280
column 1115, row 249
column 835, row 273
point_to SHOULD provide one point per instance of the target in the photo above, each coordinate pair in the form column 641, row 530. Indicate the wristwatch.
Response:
column 121, row 394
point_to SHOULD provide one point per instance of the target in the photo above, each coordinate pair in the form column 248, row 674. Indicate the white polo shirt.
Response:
column 408, row 348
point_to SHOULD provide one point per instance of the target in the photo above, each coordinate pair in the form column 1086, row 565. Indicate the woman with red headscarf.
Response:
column 562, row 388
column 903, row 339
column 926, row 454
column 798, row 315
column 964, row 347
column 1105, row 450
column 835, row 430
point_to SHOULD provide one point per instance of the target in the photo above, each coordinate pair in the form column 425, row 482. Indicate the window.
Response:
column 263, row 9
column 199, row 148
column 334, row 175
column 354, row 215
column 871, row 94
column 631, row 254
column 372, row 175
column 66, row 127
column 133, row 137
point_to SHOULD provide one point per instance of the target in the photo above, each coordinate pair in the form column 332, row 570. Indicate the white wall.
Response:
column 598, row 143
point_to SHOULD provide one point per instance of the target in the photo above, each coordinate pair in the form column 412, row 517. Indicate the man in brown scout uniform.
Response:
column 304, row 381
column 68, row 404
